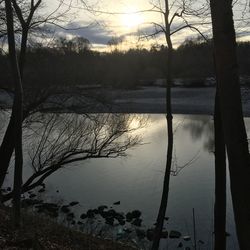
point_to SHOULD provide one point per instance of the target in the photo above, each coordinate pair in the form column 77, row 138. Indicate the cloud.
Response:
column 95, row 33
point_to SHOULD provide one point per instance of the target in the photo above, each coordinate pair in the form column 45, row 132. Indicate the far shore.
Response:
column 149, row 100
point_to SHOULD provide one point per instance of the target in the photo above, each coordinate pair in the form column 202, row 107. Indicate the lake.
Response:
column 136, row 179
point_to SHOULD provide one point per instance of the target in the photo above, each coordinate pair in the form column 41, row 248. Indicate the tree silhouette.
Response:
column 231, row 115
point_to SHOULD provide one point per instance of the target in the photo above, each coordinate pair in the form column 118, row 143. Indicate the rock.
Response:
column 41, row 190
column 150, row 234
column 119, row 216
column 65, row 209
column 122, row 222
column 136, row 213
column 108, row 214
column 180, row 245
column 73, row 203
column 83, row 216
column 141, row 234
column 32, row 196
column 187, row 238
column 90, row 213
column 164, row 234
column 71, row 215
column 120, row 233
column 127, row 230
column 174, row 234
column 30, row 202
column 109, row 221
column 95, row 211
column 112, row 212
column 137, row 222
column 129, row 217
column 101, row 208
column 50, row 209
column 117, row 203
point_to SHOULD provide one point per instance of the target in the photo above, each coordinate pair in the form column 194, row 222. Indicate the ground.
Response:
column 41, row 233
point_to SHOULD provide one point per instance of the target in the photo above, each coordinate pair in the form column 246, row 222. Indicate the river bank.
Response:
column 143, row 100
column 40, row 232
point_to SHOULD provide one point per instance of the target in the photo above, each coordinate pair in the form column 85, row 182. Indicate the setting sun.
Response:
column 131, row 20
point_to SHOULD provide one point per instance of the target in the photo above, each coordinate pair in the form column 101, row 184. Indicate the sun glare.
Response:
column 131, row 20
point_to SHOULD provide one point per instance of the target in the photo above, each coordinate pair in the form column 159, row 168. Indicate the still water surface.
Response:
column 136, row 180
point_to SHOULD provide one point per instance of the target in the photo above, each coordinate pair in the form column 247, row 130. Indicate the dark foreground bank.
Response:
column 40, row 232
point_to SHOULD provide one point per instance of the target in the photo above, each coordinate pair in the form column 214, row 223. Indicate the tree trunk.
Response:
column 220, row 181
column 16, row 115
column 232, row 115
column 7, row 146
column 6, row 150
column 165, row 191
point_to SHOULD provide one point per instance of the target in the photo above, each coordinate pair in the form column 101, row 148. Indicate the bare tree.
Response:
column 16, row 115
column 27, row 20
column 170, row 12
column 8, row 142
column 114, row 43
column 61, row 140
column 231, row 115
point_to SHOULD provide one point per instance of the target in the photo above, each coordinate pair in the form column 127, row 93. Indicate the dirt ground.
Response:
column 40, row 233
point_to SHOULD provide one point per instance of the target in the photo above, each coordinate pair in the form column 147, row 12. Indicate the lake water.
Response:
column 136, row 179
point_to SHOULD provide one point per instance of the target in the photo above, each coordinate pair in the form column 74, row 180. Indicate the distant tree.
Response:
column 75, row 45
column 114, row 43
column 81, row 44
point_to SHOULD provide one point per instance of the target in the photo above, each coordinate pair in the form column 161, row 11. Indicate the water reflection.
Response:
column 58, row 140
column 201, row 127
column 136, row 180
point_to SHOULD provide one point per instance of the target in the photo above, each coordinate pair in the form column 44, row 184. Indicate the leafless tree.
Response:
column 26, row 20
column 17, row 113
column 61, row 140
column 170, row 11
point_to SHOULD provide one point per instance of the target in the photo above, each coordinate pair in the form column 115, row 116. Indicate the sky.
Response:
column 131, row 21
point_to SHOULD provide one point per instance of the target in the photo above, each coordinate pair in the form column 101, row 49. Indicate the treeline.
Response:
column 70, row 64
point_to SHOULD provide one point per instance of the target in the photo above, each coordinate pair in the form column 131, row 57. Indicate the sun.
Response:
column 131, row 20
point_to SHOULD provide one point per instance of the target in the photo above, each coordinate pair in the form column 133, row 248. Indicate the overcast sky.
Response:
column 128, row 23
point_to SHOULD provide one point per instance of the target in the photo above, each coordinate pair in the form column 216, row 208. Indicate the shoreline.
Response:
column 147, row 100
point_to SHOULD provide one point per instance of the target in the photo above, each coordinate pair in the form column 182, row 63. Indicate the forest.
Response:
column 72, row 63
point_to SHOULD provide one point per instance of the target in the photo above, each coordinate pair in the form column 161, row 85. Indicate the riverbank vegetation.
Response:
column 65, row 64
